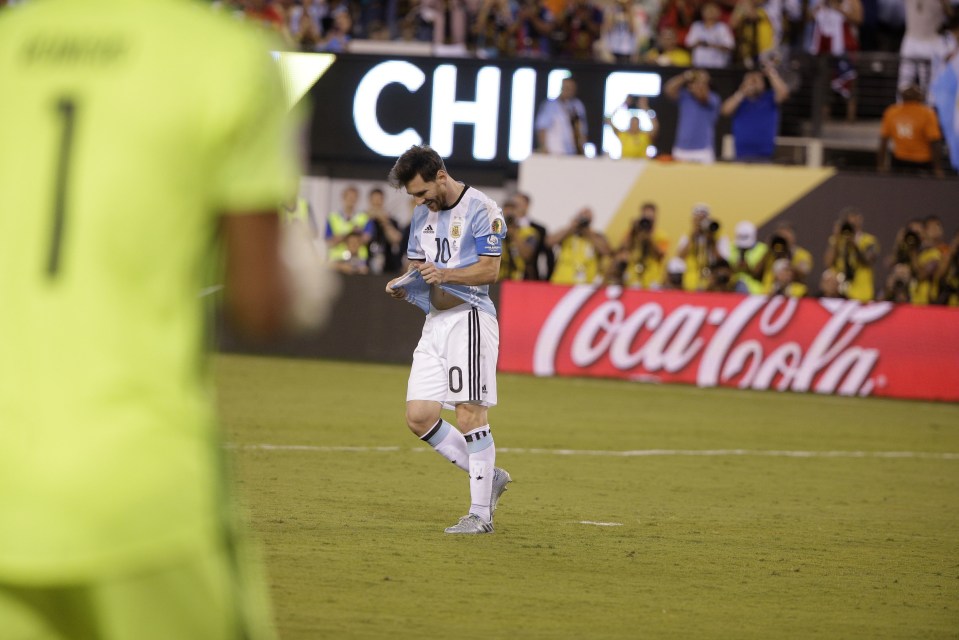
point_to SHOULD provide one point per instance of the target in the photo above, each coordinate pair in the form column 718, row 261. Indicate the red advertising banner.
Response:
column 712, row 339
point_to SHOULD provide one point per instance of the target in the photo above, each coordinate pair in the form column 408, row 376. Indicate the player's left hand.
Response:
column 431, row 275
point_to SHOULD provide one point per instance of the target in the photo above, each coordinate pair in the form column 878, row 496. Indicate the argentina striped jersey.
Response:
column 457, row 237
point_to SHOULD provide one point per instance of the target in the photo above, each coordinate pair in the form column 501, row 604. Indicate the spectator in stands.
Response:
column 913, row 129
column 649, row 211
column 494, row 25
column 754, row 108
column 304, row 21
column 698, row 111
column 578, row 29
column 532, row 29
column 386, row 247
column 269, row 14
column 582, row 251
column 796, row 16
column 620, row 35
column 337, row 38
column 675, row 271
column 711, row 41
column 924, row 18
column 720, row 278
column 703, row 246
column 834, row 35
column 339, row 225
column 784, row 280
column 934, row 234
column 541, row 266
column 678, row 15
column 900, row 284
column 519, row 246
column 782, row 246
column 755, row 34
column 561, row 123
column 634, row 140
column 947, row 277
column 667, row 52
column 638, row 262
column 747, row 256
column 352, row 260
column 922, row 260
column 852, row 253
column 831, row 284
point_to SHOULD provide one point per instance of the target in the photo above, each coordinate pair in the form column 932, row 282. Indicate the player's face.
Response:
column 432, row 193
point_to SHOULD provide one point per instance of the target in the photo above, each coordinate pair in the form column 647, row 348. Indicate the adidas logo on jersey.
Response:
column 428, row 229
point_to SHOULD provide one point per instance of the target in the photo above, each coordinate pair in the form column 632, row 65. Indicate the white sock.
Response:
column 449, row 443
column 482, row 452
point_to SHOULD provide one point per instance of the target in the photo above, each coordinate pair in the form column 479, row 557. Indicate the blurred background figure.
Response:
column 620, row 33
column 702, row 247
column 754, row 108
column 784, row 280
column 913, row 129
column 711, row 40
column 581, row 251
column 543, row 261
column 668, row 52
column 386, row 248
column 518, row 260
column 831, row 284
column 353, row 257
column 747, row 255
column 561, row 123
column 340, row 224
column 635, row 142
column 698, row 111
column 638, row 263
column 782, row 246
column 852, row 253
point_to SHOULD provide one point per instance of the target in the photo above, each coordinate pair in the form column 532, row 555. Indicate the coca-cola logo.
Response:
column 742, row 343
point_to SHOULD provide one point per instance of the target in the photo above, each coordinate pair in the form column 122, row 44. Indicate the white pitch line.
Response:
column 601, row 524
column 635, row 453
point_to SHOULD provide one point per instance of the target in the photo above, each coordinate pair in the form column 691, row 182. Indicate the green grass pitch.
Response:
column 718, row 546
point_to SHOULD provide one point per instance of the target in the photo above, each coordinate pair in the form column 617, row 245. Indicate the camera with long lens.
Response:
column 846, row 229
column 582, row 223
column 778, row 245
column 643, row 224
column 709, row 226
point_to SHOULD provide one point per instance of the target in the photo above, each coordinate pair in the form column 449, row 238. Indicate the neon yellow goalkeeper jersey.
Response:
column 126, row 128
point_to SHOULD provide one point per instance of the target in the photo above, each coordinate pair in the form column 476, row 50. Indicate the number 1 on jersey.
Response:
column 66, row 110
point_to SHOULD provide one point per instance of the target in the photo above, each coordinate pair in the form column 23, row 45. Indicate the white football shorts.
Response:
column 455, row 360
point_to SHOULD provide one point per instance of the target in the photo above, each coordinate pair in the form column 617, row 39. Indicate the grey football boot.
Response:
column 471, row 523
column 501, row 478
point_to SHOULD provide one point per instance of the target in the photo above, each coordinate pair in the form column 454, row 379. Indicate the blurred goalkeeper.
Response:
column 138, row 137
column 456, row 240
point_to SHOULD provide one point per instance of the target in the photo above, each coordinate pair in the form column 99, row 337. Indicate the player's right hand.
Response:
column 398, row 293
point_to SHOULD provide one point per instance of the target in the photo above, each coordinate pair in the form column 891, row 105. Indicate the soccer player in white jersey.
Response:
column 455, row 244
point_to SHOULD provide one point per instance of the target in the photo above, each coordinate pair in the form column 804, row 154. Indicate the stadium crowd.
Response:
column 923, row 266
column 706, row 33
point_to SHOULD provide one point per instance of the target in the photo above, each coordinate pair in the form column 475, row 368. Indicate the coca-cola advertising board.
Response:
column 712, row 339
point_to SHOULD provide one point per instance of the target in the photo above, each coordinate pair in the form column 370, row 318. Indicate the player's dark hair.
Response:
column 419, row 160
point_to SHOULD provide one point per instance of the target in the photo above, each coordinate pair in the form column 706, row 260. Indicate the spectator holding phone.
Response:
column 698, row 111
column 754, row 108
